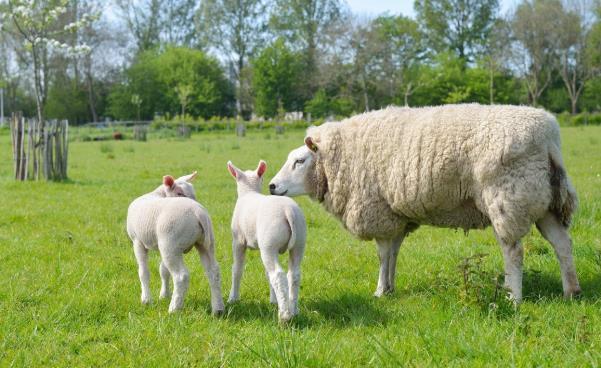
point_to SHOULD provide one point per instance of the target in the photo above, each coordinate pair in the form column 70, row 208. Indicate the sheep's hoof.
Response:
column 380, row 293
column 218, row 312
column 572, row 293
column 164, row 296
column 174, row 308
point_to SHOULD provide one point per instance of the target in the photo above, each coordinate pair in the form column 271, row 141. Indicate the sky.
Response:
column 374, row 7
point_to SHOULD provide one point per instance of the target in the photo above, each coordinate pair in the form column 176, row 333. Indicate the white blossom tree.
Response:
column 37, row 25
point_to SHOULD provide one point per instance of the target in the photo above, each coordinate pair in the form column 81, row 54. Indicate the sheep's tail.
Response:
column 565, row 201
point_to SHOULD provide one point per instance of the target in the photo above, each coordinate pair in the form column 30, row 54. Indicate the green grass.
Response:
column 69, row 293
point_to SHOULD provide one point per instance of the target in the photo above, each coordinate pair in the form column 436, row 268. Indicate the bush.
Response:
column 585, row 118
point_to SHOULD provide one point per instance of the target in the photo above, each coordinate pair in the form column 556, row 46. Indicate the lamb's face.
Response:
column 293, row 177
column 248, row 181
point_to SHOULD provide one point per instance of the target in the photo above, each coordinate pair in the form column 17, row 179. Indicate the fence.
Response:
column 39, row 150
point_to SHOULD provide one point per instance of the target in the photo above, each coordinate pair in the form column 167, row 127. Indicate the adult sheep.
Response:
column 385, row 173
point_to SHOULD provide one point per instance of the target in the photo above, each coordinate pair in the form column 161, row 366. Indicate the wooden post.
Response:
column 240, row 129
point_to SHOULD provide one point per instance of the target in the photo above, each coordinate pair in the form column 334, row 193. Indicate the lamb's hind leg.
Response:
column 557, row 235
column 181, row 278
column 385, row 251
column 238, row 254
column 294, row 275
column 142, row 258
column 278, row 280
column 207, row 258
column 165, row 281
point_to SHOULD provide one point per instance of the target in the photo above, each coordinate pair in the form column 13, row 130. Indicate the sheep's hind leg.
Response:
column 279, row 282
column 181, row 279
column 557, row 235
column 142, row 258
column 165, row 281
column 207, row 258
column 272, row 297
column 238, row 254
column 385, row 251
column 294, row 276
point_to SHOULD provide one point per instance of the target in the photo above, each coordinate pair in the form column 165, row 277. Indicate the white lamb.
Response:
column 170, row 220
column 273, row 225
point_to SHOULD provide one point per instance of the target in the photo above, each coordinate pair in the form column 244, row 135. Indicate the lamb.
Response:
column 169, row 219
column 273, row 225
column 385, row 173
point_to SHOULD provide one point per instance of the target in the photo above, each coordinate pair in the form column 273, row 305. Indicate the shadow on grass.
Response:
column 342, row 311
column 543, row 285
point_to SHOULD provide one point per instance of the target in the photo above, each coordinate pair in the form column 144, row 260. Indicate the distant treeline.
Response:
column 226, row 58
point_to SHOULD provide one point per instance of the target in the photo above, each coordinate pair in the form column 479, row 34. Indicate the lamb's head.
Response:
column 248, row 181
column 299, row 174
column 180, row 187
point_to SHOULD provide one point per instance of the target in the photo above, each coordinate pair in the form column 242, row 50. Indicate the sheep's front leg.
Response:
column 142, row 258
column 279, row 282
column 294, row 276
column 207, row 258
column 181, row 278
column 385, row 250
column 394, row 253
column 238, row 254
column 165, row 281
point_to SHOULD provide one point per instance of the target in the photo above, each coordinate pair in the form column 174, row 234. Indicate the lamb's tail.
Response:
column 207, row 229
column 565, row 201
column 296, row 224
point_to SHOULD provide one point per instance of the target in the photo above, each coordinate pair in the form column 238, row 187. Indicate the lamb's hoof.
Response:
column 218, row 312
column 231, row 299
column 146, row 300
column 382, row 292
column 175, row 308
column 285, row 317
column 164, row 296
column 572, row 293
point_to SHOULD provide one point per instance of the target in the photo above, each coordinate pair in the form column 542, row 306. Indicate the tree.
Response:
column 302, row 22
column 183, row 94
column 576, row 66
column 236, row 29
column 460, row 26
column 37, row 25
column 157, row 78
column 496, row 53
column 277, row 71
column 143, row 21
column 535, row 25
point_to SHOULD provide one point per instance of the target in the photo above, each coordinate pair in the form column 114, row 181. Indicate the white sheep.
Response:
column 385, row 173
column 170, row 220
column 273, row 225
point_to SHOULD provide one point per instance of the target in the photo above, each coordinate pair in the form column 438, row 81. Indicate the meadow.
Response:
column 69, row 289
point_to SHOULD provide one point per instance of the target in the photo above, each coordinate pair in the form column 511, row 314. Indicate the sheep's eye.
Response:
column 181, row 195
column 299, row 161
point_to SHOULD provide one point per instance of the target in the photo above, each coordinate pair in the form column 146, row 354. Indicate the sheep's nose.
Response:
column 272, row 188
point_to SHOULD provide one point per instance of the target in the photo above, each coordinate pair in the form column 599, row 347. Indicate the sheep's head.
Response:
column 298, row 174
column 248, row 181
column 180, row 187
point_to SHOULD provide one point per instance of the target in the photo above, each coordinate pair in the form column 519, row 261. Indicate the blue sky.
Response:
column 374, row 7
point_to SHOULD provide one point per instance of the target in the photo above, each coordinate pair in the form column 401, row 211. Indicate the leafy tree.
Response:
column 277, row 72
column 156, row 76
column 302, row 22
column 460, row 26
column 319, row 106
column 236, row 28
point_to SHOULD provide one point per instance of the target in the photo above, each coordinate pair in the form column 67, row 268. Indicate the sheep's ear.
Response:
column 310, row 145
column 261, row 168
column 233, row 169
column 168, row 181
column 188, row 178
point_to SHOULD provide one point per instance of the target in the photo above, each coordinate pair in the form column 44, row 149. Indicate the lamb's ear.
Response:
column 233, row 169
column 261, row 168
column 310, row 145
column 188, row 178
column 168, row 181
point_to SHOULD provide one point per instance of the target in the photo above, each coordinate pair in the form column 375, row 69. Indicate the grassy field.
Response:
column 69, row 290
